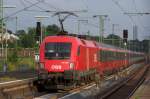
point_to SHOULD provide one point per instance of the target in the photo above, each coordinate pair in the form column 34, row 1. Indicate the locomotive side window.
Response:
column 110, row 55
column 57, row 50
column 78, row 53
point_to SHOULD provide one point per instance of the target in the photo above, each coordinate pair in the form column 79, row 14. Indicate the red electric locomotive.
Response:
column 68, row 60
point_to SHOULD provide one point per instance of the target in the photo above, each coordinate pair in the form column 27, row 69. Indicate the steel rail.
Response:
column 117, row 87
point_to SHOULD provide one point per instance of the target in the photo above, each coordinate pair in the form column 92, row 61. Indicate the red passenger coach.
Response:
column 70, row 60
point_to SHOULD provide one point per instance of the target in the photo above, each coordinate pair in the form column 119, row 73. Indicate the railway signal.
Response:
column 39, row 34
column 125, row 35
column 38, row 31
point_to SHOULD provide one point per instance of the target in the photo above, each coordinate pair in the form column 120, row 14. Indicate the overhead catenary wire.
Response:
column 137, row 11
column 46, row 10
column 22, row 2
column 61, row 9
column 31, row 10
column 131, row 15
column 21, row 10
column 84, row 2
column 41, row 9
column 50, row 5
column 91, row 24
column 82, row 18
column 124, row 11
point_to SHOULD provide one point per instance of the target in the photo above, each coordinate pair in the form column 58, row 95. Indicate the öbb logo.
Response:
column 56, row 67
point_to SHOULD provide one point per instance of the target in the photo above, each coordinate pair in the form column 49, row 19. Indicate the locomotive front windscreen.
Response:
column 57, row 50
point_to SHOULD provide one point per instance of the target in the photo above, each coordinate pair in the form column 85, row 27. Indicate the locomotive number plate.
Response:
column 56, row 67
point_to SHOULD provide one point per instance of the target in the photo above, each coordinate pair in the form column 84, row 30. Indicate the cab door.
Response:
column 82, row 62
column 87, row 59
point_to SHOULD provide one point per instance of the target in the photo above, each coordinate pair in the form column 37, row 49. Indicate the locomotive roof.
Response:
column 100, row 45
column 108, row 46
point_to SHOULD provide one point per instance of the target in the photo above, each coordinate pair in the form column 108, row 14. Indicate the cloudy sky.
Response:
column 115, row 10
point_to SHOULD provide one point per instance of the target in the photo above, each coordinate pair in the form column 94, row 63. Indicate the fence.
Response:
column 17, row 59
column 22, row 52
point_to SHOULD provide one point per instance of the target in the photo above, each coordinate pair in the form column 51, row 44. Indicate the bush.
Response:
column 1, row 66
column 26, row 62
column 12, row 66
column 13, row 57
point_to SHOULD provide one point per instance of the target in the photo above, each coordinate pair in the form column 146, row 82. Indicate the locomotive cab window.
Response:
column 57, row 50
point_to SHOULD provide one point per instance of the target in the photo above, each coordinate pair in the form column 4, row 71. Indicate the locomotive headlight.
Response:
column 71, row 65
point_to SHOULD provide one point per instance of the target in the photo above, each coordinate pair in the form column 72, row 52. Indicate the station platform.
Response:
column 143, row 92
column 17, row 75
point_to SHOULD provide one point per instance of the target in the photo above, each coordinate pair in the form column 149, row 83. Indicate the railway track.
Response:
column 17, row 89
column 24, row 89
column 90, row 91
column 62, row 94
column 125, row 89
column 17, row 75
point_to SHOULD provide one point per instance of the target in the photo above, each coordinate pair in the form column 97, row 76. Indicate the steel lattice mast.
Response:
column 1, row 14
column 1, row 27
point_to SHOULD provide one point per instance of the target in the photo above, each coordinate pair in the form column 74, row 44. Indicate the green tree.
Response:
column 13, row 56
column 113, row 40
column 145, row 44
column 52, row 30
column 26, row 39
column 20, row 32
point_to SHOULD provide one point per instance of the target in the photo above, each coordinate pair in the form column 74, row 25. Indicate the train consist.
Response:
column 68, row 60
